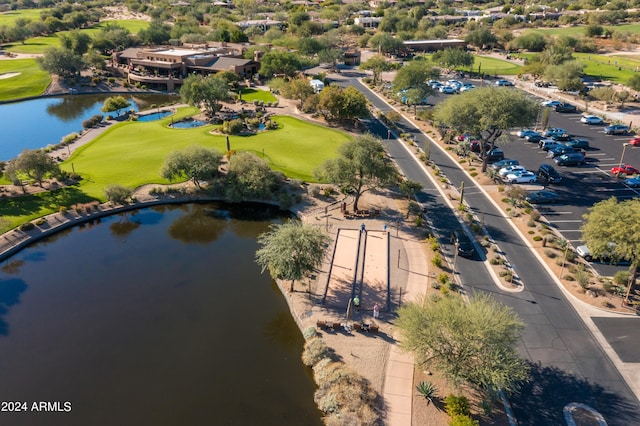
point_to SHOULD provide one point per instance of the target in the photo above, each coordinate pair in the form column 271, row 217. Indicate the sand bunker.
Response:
column 8, row 75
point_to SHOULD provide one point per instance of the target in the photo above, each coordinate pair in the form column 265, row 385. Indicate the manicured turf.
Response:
column 31, row 80
column 37, row 45
column 9, row 18
column 579, row 31
column 131, row 154
column 250, row 95
column 494, row 66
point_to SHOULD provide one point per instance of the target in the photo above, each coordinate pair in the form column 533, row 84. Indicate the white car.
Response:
column 521, row 177
column 591, row 119
column 551, row 104
column 467, row 86
column 511, row 169
column 447, row 90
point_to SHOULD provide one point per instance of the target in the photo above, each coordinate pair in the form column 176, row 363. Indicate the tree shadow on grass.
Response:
column 541, row 401
column 29, row 205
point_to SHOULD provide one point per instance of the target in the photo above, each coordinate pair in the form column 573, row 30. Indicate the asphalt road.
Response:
column 567, row 363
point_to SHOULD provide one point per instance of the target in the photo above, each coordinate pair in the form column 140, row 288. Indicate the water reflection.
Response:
column 10, row 290
column 198, row 225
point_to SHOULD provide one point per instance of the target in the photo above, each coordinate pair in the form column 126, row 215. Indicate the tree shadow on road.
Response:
column 541, row 401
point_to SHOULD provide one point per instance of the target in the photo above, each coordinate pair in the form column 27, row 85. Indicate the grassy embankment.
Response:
column 295, row 148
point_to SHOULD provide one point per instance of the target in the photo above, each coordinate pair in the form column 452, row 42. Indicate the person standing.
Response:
column 376, row 311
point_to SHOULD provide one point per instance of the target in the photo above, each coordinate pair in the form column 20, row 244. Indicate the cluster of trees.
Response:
column 208, row 91
column 248, row 177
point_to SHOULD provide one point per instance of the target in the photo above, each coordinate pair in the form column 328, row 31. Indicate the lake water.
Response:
column 40, row 122
column 157, row 317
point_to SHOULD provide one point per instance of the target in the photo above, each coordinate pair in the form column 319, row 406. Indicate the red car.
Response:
column 635, row 141
column 625, row 169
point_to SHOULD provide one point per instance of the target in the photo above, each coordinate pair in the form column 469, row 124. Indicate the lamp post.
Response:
column 624, row 148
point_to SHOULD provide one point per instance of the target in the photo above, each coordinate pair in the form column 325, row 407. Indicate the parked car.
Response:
column 554, row 131
column 494, row 155
column 547, row 173
column 467, row 86
column 578, row 143
column 541, row 83
column 511, row 169
column 547, row 144
column 504, row 163
column 565, row 107
column 591, row 119
column 561, row 138
column 584, row 252
column 542, row 197
column 521, row 177
column 574, row 159
column 551, row 103
column 447, row 90
column 633, row 182
column 560, row 150
column 463, row 243
column 624, row 169
column 503, row 82
column 526, row 132
column 616, row 129
column 534, row 138
column 475, row 146
column 635, row 141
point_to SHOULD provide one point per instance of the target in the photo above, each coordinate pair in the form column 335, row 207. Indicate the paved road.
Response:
column 568, row 364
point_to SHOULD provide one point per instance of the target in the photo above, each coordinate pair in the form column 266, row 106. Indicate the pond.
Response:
column 159, row 316
column 45, row 121
column 154, row 116
column 188, row 123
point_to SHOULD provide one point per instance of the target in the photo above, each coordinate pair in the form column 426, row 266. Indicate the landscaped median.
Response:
column 131, row 154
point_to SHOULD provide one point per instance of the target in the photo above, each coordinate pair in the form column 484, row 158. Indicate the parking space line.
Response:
column 554, row 213
column 598, row 154
column 568, row 221
column 594, row 170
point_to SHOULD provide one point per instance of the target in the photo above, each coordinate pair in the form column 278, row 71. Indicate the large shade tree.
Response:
column 486, row 112
column 206, row 91
column 35, row 163
column 249, row 178
column 291, row 250
column 474, row 343
column 611, row 229
column 377, row 64
column 194, row 162
column 115, row 103
column 411, row 80
column 361, row 165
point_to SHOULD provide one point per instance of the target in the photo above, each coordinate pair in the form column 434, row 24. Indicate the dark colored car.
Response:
column 574, row 159
column 504, row 163
column 578, row 143
column 462, row 243
column 534, row 138
column 542, row 197
column 561, row 138
column 475, row 146
column 547, row 173
column 559, row 150
column 564, row 107
column 494, row 155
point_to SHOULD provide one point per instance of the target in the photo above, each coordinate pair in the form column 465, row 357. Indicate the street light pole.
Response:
column 624, row 148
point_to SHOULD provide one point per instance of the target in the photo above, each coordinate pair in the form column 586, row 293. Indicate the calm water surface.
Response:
column 38, row 123
column 157, row 317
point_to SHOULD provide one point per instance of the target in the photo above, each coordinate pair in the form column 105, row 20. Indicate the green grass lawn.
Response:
column 9, row 18
column 31, row 80
column 131, row 154
column 250, row 95
column 579, row 31
column 37, row 45
column 495, row 66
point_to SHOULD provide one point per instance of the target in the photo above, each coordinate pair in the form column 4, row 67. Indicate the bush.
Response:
column 463, row 421
column 117, row 194
column 582, row 277
column 62, row 209
column 457, row 405
column 437, row 261
column 427, row 390
column 608, row 286
column 314, row 190
column 27, row 226
column 551, row 254
column 433, row 243
column 443, row 278
column 309, row 333
column 621, row 278
column 232, row 127
column 537, row 238
column 315, row 350
column 286, row 202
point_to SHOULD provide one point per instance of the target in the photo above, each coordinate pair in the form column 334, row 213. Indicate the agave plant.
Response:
column 427, row 390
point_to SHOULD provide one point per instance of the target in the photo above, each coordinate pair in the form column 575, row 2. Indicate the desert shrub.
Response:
column 535, row 215
column 476, row 228
column 433, row 243
column 232, row 127
column 27, row 226
column 457, row 405
column 117, row 194
column 427, row 390
column 443, row 278
column 551, row 254
column 608, row 286
column 621, row 278
column 531, row 232
column 582, row 276
column 569, row 278
column 41, row 221
column 571, row 256
column 62, row 209
column 531, row 223
column 537, row 238
column 314, row 190
column 419, row 221
column 327, row 191
column 315, row 349
column 93, row 121
column 309, row 333
column 437, row 261
column 460, row 420
column 285, row 201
